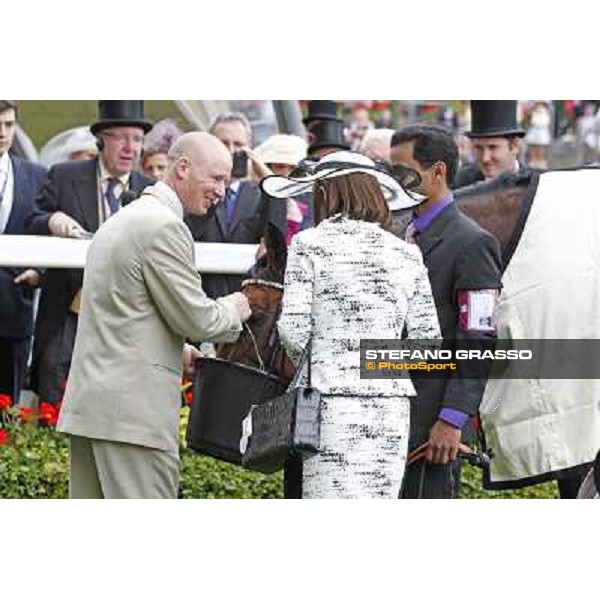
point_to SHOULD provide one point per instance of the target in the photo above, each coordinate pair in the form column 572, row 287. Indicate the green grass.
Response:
column 43, row 119
column 471, row 487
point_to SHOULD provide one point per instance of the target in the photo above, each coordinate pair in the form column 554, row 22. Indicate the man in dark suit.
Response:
column 240, row 217
column 20, row 183
column 496, row 139
column 464, row 265
column 77, row 198
column 324, row 129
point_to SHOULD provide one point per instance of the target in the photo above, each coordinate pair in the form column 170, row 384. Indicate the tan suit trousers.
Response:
column 106, row 469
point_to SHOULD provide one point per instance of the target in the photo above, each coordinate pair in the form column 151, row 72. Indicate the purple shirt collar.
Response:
column 423, row 221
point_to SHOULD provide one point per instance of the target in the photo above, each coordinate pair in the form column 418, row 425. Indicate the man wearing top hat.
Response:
column 325, row 131
column 496, row 139
column 325, row 134
column 76, row 199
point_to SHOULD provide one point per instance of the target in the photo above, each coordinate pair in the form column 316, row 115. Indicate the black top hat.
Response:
column 121, row 113
column 319, row 110
column 494, row 118
column 326, row 134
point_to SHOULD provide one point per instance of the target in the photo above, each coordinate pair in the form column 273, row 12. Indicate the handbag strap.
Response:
column 306, row 356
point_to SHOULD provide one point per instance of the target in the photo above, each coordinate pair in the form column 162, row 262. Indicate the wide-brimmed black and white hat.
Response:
column 338, row 164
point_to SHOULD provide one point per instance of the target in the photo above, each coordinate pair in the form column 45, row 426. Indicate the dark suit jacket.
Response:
column 459, row 255
column 16, row 301
column 73, row 189
column 467, row 175
column 248, row 224
column 470, row 174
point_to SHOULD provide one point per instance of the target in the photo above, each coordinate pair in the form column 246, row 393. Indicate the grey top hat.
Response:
column 121, row 113
column 494, row 118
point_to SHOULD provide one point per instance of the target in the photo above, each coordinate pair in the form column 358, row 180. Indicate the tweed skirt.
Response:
column 364, row 443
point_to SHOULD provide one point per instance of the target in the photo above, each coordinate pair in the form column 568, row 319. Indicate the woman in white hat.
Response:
column 73, row 144
column 348, row 279
column 281, row 154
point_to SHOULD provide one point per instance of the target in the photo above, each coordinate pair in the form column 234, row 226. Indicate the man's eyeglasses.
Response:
column 120, row 137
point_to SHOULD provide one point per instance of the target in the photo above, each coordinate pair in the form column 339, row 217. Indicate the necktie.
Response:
column 111, row 198
column 411, row 233
column 230, row 202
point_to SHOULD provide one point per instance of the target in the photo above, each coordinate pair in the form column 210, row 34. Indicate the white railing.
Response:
column 53, row 252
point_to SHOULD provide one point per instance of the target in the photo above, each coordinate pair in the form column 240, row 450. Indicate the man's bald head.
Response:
column 198, row 146
column 199, row 169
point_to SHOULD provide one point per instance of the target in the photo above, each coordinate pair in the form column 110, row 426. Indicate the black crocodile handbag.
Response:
column 286, row 426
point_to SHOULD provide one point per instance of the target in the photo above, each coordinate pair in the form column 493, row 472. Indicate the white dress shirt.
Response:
column 7, row 181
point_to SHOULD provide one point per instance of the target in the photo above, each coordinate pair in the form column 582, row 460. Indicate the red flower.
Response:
column 48, row 413
column 188, row 397
column 25, row 414
column 3, row 437
column 5, row 401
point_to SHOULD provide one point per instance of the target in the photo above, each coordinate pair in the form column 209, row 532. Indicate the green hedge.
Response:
column 34, row 464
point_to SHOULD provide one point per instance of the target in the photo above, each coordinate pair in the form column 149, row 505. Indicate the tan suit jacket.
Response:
column 141, row 297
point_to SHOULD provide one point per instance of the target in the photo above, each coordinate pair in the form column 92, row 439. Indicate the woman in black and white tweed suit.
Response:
column 346, row 279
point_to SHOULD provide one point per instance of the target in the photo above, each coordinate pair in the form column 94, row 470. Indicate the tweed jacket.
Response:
column 346, row 280
column 141, row 297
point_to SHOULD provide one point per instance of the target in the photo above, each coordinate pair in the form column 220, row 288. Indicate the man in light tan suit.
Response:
column 141, row 298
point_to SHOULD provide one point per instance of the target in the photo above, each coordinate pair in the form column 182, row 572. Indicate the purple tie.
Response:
column 113, row 201
column 411, row 233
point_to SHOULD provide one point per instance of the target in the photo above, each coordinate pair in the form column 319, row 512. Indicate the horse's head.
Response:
column 498, row 206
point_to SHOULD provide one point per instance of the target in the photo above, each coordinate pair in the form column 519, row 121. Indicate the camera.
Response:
column 240, row 164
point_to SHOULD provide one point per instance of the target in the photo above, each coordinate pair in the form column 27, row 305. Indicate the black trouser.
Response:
column 570, row 482
column 292, row 479
column 431, row 481
column 13, row 362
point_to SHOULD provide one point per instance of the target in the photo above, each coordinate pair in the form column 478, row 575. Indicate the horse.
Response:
column 502, row 207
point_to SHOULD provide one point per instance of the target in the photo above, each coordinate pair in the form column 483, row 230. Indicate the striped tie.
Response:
column 411, row 233
column 113, row 201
